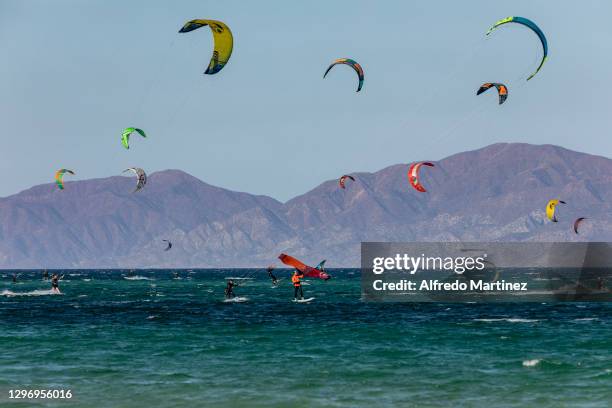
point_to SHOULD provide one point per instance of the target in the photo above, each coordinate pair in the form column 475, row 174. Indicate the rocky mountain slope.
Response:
column 497, row 193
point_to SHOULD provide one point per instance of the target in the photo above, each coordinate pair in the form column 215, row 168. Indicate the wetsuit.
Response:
column 271, row 275
column 297, row 285
column 55, row 283
column 229, row 290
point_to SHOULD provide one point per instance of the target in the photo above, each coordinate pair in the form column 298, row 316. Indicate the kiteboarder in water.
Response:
column 14, row 278
column 55, row 278
column 271, row 275
column 297, row 285
column 45, row 275
column 229, row 289
column 601, row 284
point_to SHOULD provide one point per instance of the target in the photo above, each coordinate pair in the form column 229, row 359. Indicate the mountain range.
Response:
column 497, row 193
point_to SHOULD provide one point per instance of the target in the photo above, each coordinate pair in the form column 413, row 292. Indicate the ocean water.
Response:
column 155, row 341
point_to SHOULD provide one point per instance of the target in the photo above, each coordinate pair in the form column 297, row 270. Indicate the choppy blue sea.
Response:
column 156, row 341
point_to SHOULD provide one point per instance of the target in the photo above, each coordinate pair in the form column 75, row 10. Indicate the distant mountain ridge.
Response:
column 497, row 193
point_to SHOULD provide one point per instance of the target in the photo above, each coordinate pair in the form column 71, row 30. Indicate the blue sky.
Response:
column 75, row 73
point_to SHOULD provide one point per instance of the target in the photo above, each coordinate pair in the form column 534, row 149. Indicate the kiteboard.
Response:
column 237, row 299
column 304, row 300
column 38, row 292
column 137, row 277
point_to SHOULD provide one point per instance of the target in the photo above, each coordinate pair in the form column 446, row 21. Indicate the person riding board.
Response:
column 55, row 278
column 297, row 284
column 229, row 289
column 601, row 284
column 271, row 275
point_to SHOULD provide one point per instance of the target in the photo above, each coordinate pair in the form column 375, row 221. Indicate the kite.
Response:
column 308, row 271
column 550, row 209
column 125, row 136
column 351, row 63
column 169, row 244
column 413, row 175
column 502, row 90
column 577, row 223
column 530, row 24
column 342, row 180
column 223, row 42
column 59, row 177
column 141, row 177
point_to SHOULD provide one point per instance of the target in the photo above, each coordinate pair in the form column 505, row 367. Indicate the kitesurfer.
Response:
column 55, row 278
column 14, row 278
column 297, row 284
column 271, row 275
column 601, row 284
column 229, row 289
column 45, row 275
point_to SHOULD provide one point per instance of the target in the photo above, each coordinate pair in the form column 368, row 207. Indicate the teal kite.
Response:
column 528, row 23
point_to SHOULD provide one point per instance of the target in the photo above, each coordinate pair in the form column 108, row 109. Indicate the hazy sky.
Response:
column 73, row 74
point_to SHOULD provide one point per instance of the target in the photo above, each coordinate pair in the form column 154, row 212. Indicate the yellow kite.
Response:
column 224, row 42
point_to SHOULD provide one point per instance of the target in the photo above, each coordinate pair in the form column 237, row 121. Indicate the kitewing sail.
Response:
column 308, row 271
